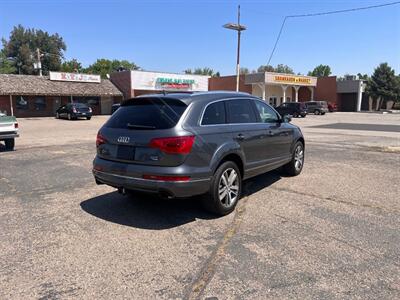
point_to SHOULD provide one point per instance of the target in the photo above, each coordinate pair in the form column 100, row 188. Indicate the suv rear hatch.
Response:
column 144, row 131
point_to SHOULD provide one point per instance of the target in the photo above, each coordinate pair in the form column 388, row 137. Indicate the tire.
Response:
column 69, row 117
column 214, row 201
column 317, row 112
column 57, row 115
column 88, row 118
column 303, row 116
column 10, row 143
column 295, row 115
column 295, row 166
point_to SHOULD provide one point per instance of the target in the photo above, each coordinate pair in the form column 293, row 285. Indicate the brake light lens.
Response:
column 90, row 109
column 16, row 125
column 100, row 140
column 166, row 178
column 174, row 145
column 74, row 109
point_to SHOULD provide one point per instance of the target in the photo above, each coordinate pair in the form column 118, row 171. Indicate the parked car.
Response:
column 317, row 107
column 73, row 111
column 332, row 107
column 114, row 107
column 295, row 109
column 181, row 145
column 8, row 130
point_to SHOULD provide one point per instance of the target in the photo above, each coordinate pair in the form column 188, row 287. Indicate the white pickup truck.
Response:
column 8, row 130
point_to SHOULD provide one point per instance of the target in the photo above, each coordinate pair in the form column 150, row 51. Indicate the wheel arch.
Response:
column 234, row 157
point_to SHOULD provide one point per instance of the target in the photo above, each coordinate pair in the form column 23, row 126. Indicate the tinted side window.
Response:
column 214, row 114
column 267, row 114
column 240, row 111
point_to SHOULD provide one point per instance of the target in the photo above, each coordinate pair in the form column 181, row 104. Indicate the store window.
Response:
column 90, row 101
column 40, row 103
column 22, row 103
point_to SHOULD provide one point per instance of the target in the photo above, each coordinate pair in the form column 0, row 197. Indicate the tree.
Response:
column 281, row 68
column 23, row 44
column 362, row 76
column 202, row 71
column 320, row 71
column 284, row 69
column 244, row 71
column 265, row 68
column 383, row 84
column 71, row 66
column 6, row 66
column 105, row 66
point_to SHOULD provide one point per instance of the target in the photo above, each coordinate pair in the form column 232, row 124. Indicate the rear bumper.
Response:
column 82, row 115
column 8, row 136
column 117, row 175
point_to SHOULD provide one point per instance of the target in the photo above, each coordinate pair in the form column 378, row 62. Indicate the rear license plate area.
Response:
column 126, row 152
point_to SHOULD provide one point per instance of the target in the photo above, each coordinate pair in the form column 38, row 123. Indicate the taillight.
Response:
column 90, row 109
column 16, row 125
column 166, row 178
column 174, row 145
column 100, row 140
column 74, row 109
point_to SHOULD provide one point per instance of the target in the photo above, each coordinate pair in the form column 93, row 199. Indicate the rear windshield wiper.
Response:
column 135, row 126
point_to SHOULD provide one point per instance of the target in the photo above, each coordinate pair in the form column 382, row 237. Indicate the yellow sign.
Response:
column 292, row 79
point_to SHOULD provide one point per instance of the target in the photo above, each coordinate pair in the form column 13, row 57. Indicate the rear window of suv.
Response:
column 147, row 113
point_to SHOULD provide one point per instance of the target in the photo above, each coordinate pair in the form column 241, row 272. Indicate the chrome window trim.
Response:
column 230, row 99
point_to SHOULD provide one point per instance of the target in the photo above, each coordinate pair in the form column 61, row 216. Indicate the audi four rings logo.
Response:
column 123, row 139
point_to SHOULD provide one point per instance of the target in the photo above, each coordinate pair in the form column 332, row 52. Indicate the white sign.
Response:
column 157, row 81
column 62, row 76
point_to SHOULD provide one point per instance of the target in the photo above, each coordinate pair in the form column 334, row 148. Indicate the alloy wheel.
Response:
column 228, row 187
column 298, row 157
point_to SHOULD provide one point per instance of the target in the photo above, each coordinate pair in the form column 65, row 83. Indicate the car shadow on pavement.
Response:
column 147, row 211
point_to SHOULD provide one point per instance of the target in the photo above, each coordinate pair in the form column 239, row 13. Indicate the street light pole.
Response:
column 239, row 28
column 238, row 54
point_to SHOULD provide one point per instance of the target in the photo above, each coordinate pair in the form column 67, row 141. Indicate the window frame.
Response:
column 225, row 100
column 278, row 116
column 205, row 109
column 252, row 105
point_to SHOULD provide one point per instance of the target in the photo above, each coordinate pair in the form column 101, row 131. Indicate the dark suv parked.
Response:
column 180, row 145
column 317, row 107
column 295, row 109
column 73, row 111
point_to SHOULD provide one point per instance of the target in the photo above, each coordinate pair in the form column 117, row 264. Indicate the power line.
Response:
column 322, row 14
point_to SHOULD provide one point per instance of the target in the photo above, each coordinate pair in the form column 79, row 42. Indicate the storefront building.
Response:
column 275, row 88
column 136, row 83
column 41, row 96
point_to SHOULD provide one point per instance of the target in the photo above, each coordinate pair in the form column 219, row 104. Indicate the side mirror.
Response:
column 287, row 118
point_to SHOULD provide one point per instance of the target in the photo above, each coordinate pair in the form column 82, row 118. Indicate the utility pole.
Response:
column 238, row 54
column 239, row 28
column 39, row 63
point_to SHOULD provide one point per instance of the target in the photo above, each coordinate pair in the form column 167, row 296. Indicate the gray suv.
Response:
column 180, row 145
column 317, row 107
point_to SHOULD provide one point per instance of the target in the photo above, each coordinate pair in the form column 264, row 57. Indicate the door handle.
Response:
column 240, row 137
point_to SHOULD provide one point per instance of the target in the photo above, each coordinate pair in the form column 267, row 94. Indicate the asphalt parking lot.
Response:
column 333, row 232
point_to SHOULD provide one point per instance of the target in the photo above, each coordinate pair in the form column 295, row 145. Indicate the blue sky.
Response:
column 175, row 35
